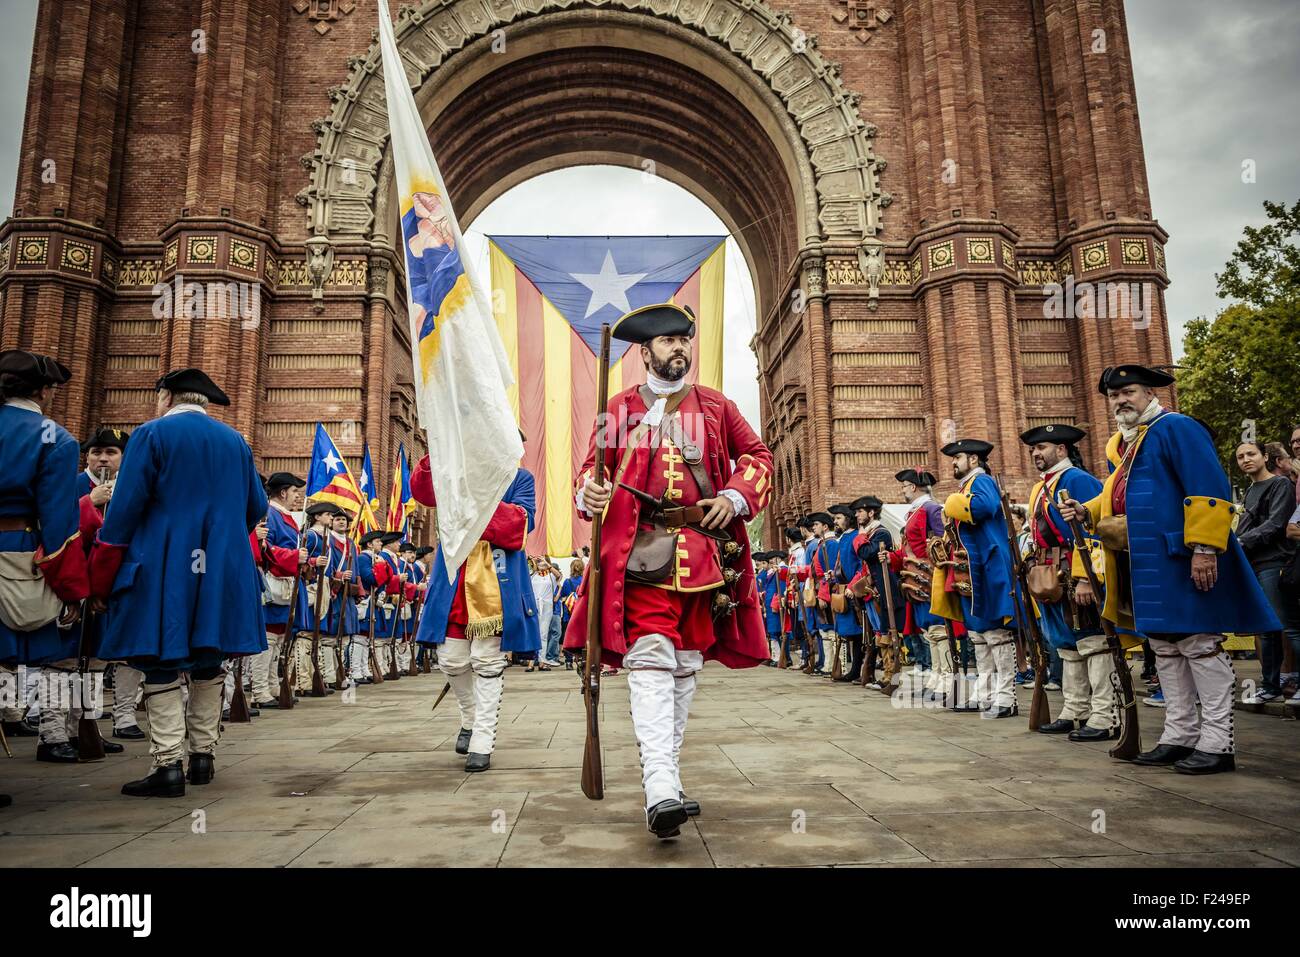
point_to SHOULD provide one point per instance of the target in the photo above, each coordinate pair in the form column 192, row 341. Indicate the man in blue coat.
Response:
column 989, row 612
column 1175, row 571
column 1070, row 625
column 487, row 611
column 848, row 623
column 174, row 574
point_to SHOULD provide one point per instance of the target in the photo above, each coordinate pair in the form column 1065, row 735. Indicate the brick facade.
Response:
column 903, row 178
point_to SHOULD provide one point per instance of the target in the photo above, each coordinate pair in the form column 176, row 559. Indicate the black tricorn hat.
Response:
column 390, row 537
column 406, row 547
column 33, row 368
column 1120, row 376
column 369, row 537
column 323, row 508
column 279, row 480
column 823, row 517
column 423, row 550
column 1060, row 433
column 841, row 508
column 662, row 319
column 868, row 501
column 918, row 477
column 192, row 380
column 969, row 446
column 106, row 438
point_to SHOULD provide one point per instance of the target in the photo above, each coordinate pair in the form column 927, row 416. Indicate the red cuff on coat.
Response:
column 105, row 560
column 281, row 561
column 508, row 527
column 66, row 572
column 90, row 520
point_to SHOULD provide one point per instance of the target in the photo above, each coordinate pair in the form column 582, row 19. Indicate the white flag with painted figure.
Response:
column 460, row 365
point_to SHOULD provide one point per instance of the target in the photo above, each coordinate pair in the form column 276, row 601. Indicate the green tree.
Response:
column 1241, row 370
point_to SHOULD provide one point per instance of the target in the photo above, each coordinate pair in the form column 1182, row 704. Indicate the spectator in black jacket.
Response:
column 1266, row 508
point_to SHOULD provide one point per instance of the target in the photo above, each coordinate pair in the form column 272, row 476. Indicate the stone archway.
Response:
column 786, row 106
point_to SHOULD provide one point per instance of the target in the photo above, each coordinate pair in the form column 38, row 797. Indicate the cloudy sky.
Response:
column 1216, row 82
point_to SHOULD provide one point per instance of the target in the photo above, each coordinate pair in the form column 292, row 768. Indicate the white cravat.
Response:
column 185, row 407
column 1151, row 411
column 661, row 388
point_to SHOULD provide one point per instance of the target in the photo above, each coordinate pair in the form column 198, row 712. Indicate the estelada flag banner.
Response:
column 459, row 365
column 366, row 478
column 551, row 295
column 400, row 502
column 329, row 479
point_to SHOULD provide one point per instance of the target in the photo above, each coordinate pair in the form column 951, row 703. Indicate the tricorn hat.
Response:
column 322, row 508
column 1059, row 433
column 33, row 368
column 868, row 501
column 918, row 477
column 279, row 480
column 192, row 380
column 106, row 438
column 969, row 446
column 662, row 319
column 374, row 536
column 1120, row 376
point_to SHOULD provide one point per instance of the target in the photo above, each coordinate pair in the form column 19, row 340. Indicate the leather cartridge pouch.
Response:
column 1113, row 532
column 1044, row 581
column 653, row 552
column 839, row 600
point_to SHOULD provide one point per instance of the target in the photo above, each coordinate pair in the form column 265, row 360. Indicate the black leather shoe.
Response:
column 692, row 808
column 478, row 762
column 1163, row 754
column 462, row 741
column 263, row 705
column 61, row 753
column 842, row 678
column 998, row 713
column 19, row 729
column 131, row 732
column 201, row 769
column 5, row 800
column 112, row 747
column 1059, row 726
column 1202, row 762
column 167, row 781
column 666, row 818
column 254, row 712
column 225, row 715
column 968, row 707
column 1090, row 734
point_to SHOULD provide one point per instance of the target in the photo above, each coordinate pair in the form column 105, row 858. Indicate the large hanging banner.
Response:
column 550, row 296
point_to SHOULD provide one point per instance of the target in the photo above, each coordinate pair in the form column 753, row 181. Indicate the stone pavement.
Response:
column 790, row 769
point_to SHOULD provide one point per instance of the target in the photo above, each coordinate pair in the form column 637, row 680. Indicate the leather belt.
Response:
column 17, row 523
column 681, row 517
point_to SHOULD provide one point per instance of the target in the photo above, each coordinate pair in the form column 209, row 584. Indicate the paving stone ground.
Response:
column 790, row 769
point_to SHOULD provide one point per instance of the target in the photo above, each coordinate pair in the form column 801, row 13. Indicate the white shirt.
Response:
column 542, row 590
column 185, row 407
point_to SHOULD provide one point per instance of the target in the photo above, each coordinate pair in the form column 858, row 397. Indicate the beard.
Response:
column 1127, row 418
column 672, row 368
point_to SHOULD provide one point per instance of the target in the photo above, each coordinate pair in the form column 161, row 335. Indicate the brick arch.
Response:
column 739, row 55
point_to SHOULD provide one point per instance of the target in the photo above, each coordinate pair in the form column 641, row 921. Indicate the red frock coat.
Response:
column 739, row 639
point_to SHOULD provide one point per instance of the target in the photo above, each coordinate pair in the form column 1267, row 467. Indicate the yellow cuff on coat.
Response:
column 1207, row 521
column 957, row 506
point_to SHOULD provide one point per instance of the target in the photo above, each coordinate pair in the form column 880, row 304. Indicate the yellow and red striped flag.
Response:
column 551, row 294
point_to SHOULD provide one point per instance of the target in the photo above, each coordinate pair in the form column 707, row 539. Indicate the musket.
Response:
column 376, row 674
column 90, row 743
column 286, row 698
column 1130, row 740
column 593, row 774
column 1039, row 714
column 393, row 673
column 416, row 605
column 318, row 689
column 893, row 660
column 345, row 595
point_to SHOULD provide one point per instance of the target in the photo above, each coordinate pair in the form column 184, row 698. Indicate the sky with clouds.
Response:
column 1216, row 85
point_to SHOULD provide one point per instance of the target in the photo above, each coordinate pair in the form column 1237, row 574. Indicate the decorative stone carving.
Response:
column 871, row 261
column 846, row 170
column 323, row 13
column 320, row 262
column 862, row 16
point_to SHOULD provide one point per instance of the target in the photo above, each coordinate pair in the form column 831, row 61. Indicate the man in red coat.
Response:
column 675, row 443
